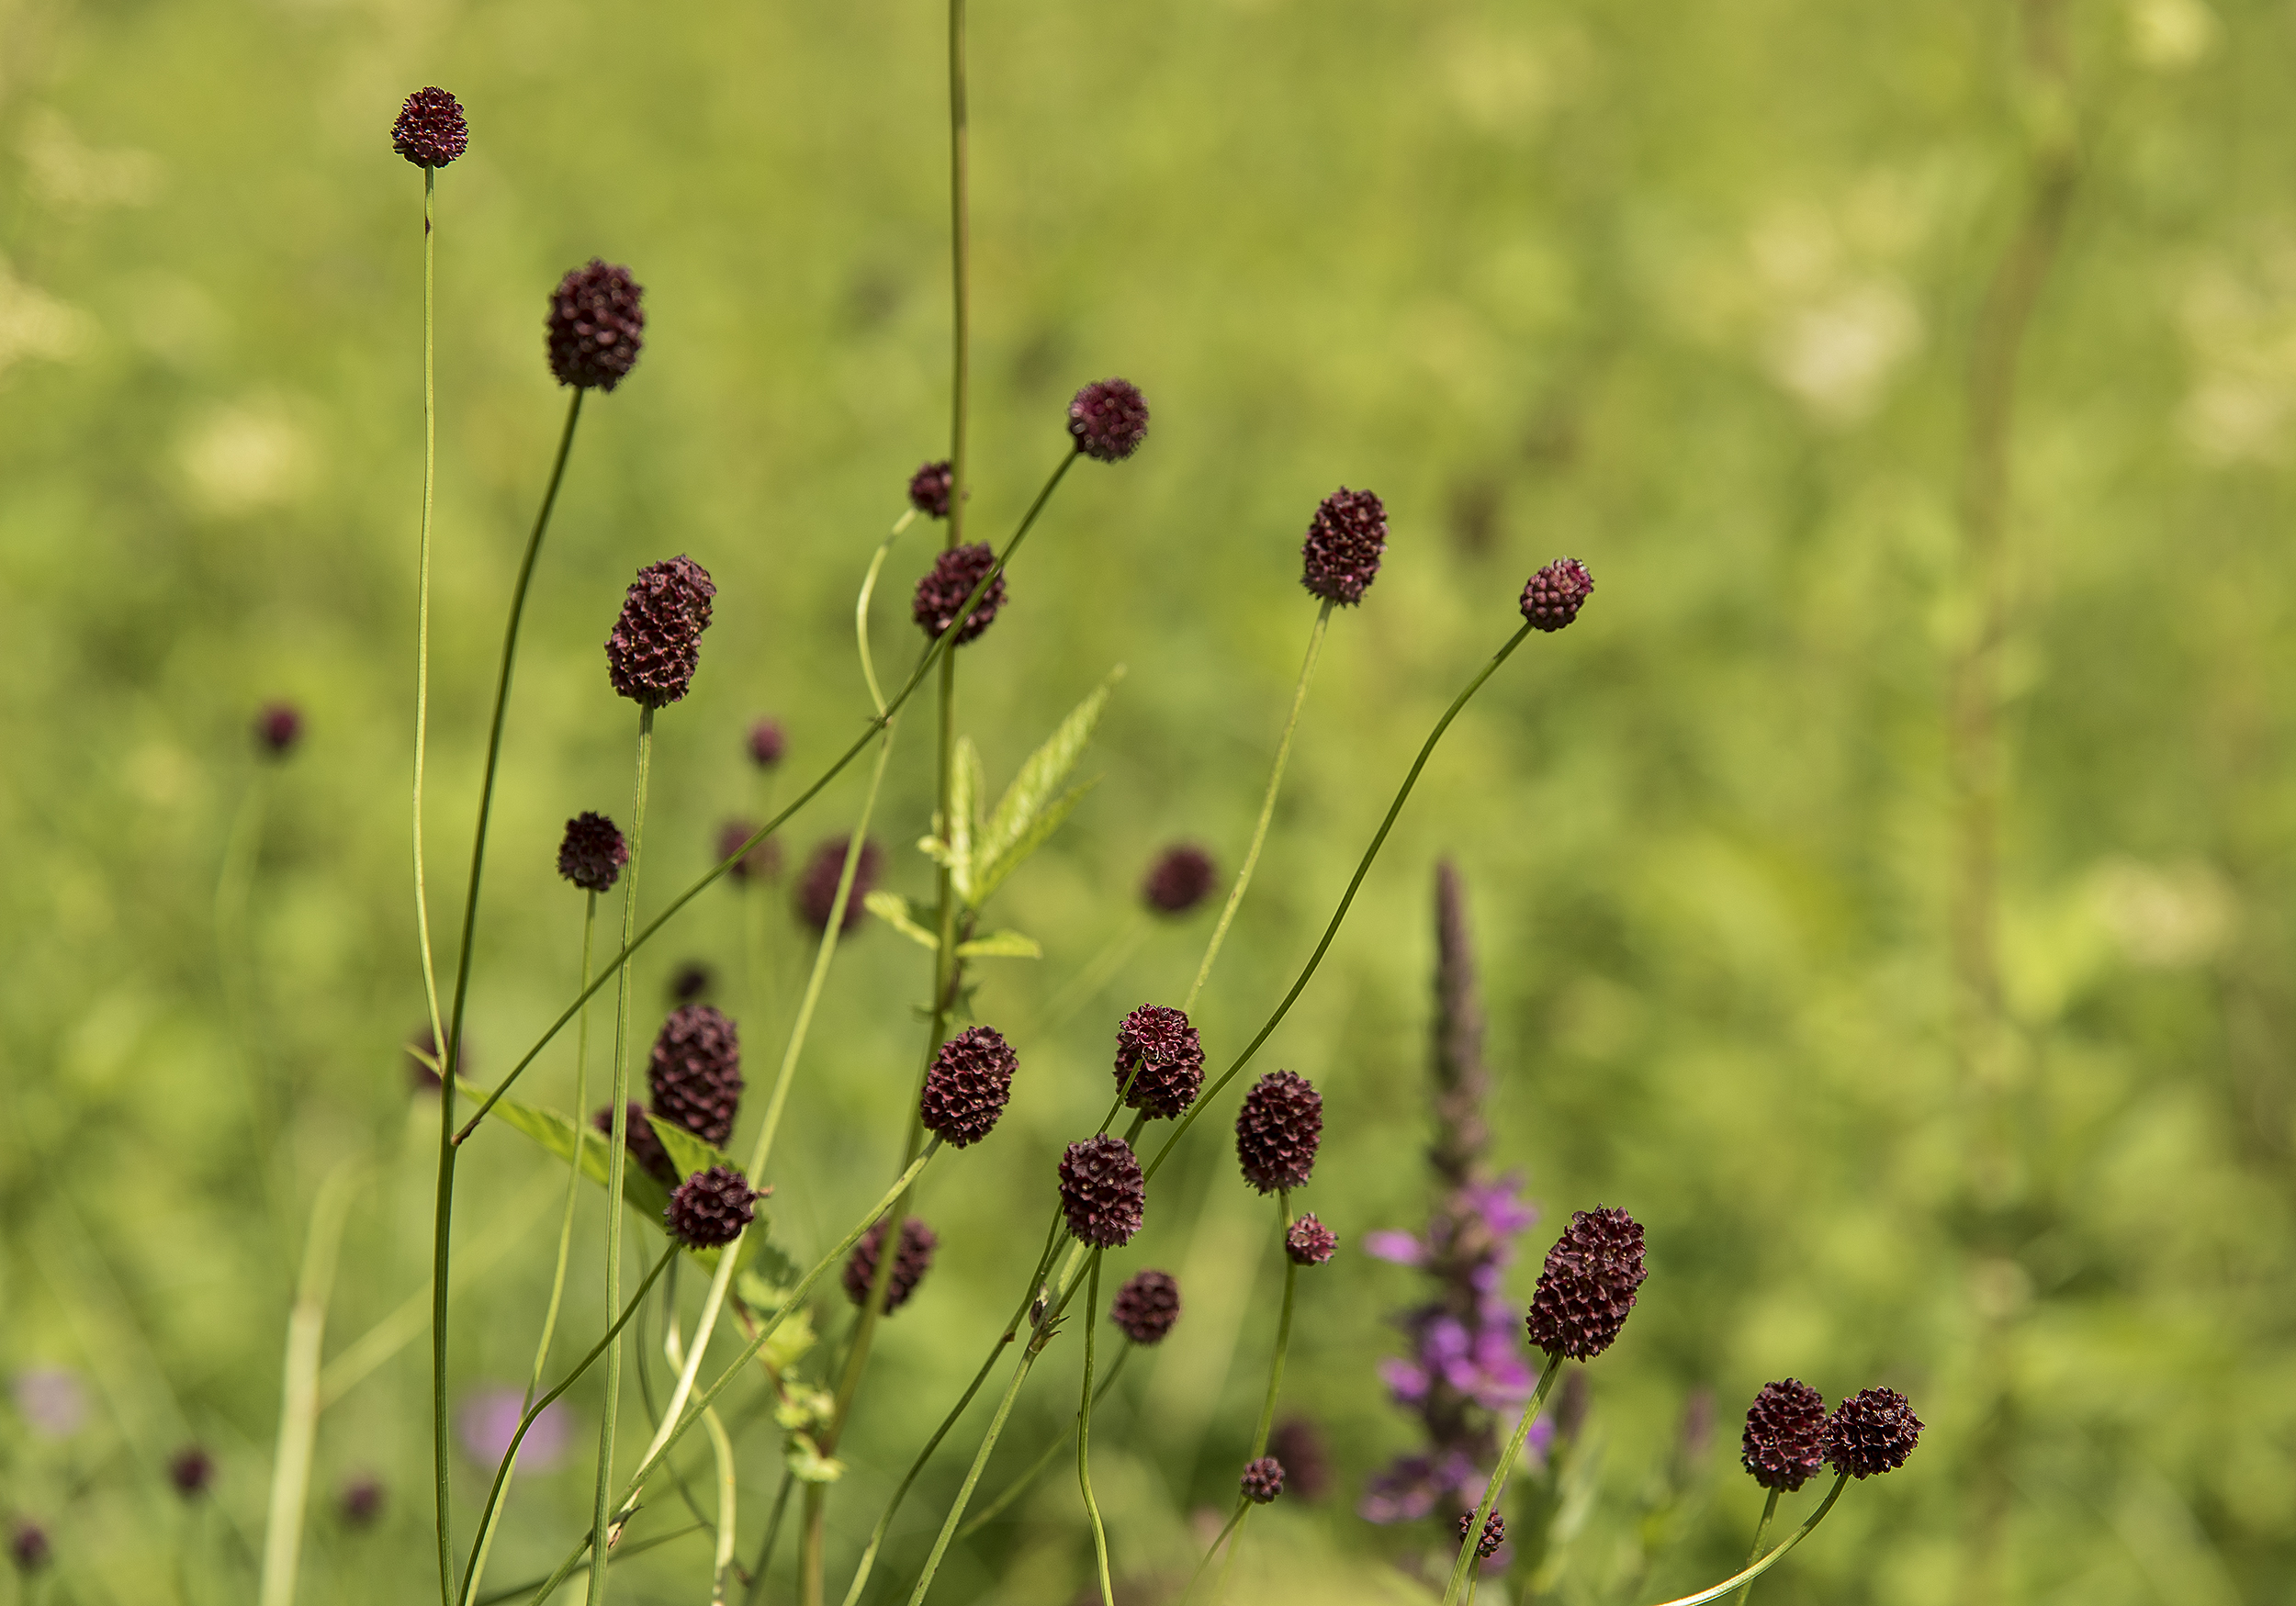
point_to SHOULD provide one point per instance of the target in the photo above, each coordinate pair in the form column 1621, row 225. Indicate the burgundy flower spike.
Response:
column 1588, row 1285
column 429, row 132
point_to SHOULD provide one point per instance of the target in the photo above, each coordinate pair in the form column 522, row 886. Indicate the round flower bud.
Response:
column 1341, row 557
column 28, row 1546
column 912, row 1258
column 429, row 132
column 816, row 889
column 1159, row 1062
column 278, row 728
column 1308, row 1242
column 1784, row 1430
column 966, row 1088
column 1587, row 1286
column 1278, row 1129
column 1263, row 1480
column 948, row 582
column 1494, row 1533
column 1102, row 1191
column 1147, row 1305
column 640, row 1138
column 767, row 743
column 691, row 982
column 191, row 1470
column 1108, row 418
column 764, row 859
column 930, row 488
column 695, row 1072
column 657, row 643
column 711, row 1207
column 1179, row 879
column 1871, row 1433
column 591, row 853
column 1556, row 594
column 595, row 326
column 361, row 1501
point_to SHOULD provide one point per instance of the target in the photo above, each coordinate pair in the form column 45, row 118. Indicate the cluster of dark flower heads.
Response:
column 1146, row 1306
column 1588, row 1285
column 941, row 592
column 1307, row 1243
column 1278, row 1130
column 1494, row 1533
column 596, row 326
column 912, row 1258
column 1785, row 1427
column 591, row 853
column 1108, row 419
column 657, row 643
column 929, row 489
column 695, row 1072
column 1263, row 1480
column 966, row 1086
column 1555, row 594
column 1103, row 1194
column 1159, row 1062
column 1345, row 541
column 711, row 1207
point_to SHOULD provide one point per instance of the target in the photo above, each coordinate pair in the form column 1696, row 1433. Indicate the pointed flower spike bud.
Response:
column 912, row 1258
column 1871, row 1433
column 816, row 896
column 1108, row 419
column 657, row 644
column 1146, row 1306
column 946, row 586
column 1588, row 1285
column 591, row 853
column 1263, row 1480
column 966, row 1087
column 429, row 132
column 1308, row 1242
column 596, row 326
column 1785, row 1428
column 695, row 1072
column 1159, row 1062
column 1345, row 540
column 710, row 1208
column 1278, row 1130
column 1556, row 594
column 930, row 488
column 643, row 1143
column 1103, row 1194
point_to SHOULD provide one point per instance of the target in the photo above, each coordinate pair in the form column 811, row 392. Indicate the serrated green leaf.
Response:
column 686, row 1152
column 577, row 1145
column 1000, row 945
column 1031, row 790
column 893, row 910
column 1049, row 820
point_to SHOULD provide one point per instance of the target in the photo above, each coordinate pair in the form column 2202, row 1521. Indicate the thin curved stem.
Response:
column 1084, row 1440
column 756, row 1595
column 1362, row 869
column 1473, row 1536
column 1268, row 805
column 620, row 1553
column 422, row 612
column 1715, row 1592
column 972, row 1472
column 1274, row 1385
column 1020, row 1486
column 450, row 1047
column 1213, row 1548
column 299, row 1407
column 1769, row 1510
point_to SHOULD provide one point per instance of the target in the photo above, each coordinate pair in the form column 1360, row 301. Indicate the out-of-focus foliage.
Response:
column 1685, row 291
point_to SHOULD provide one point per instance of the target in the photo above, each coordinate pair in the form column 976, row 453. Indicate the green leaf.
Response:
column 893, row 910
column 577, row 1145
column 1046, row 822
column 686, row 1152
column 1000, row 945
column 1000, row 848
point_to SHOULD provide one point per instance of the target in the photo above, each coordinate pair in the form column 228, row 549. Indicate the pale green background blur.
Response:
column 1684, row 290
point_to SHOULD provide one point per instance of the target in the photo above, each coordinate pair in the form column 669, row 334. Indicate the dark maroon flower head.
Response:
column 429, row 132
column 966, row 1088
column 1346, row 539
column 191, row 1470
column 1278, row 1129
column 1263, row 1480
column 911, row 1260
column 643, row 1143
column 596, row 326
column 1871, row 1433
column 1588, row 1285
column 1147, row 1305
column 657, row 643
column 1494, row 1533
column 948, row 582
column 1159, row 1062
column 930, row 488
column 591, row 853
column 711, row 1207
column 763, row 861
column 28, row 1545
column 767, row 743
column 1102, row 1191
column 278, row 729
column 1298, row 1445
column 1556, row 594
column 1784, row 1430
column 695, row 1072
column 361, row 1501
column 1179, row 879
column 1308, row 1242
column 691, row 982
column 816, row 889
column 1108, row 418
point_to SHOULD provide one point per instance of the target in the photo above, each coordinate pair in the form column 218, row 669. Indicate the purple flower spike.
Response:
column 278, row 729
column 817, row 888
column 1181, row 878
column 966, row 1088
column 657, row 644
column 767, row 743
column 1588, row 1285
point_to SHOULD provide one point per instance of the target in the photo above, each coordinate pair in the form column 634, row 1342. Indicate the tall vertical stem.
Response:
column 960, row 271
column 1769, row 1510
column 1084, row 1436
column 299, row 1405
column 422, row 612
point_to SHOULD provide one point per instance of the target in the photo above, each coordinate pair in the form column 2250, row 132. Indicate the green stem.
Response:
column 1473, row 1536
column 1213, row 1548
column 1717, row 1591
column 960, row 274
column 616, row 1157
column 930, row 657
column 1020, row 1486
column 1084, row 1438
column 1267, row 804
column 620, row 1553
column 1346, row 900
column 450, row 1047
column 298, row 1406
column 1274, row 1384
column 1769, row 1510
column 756, row 1595
column 422, row 614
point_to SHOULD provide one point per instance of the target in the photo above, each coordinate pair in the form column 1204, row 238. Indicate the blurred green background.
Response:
column 1689, row 292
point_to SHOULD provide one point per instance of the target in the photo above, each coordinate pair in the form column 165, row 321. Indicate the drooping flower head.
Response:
column 278, row 729
column 1180, row 879
column 945, row 586
column 764, row 861
column 1308, row 1242
column 591, row 853
column 1556, row 594
column 1345, row 540
column 1263, row 1480
column 1147, row 1305
column 767, row 743
column 695, row 1072
column 643, row 1143
column 596, row 326
column 1103, row 1194
column 1871, row 1433
column 1278, row 1130
column 711, row 1207
column 930, row 488
column 1159, row 1062
column 912, row 1258
column 657, row 642
column 1588, row 1285
column 816, row 889
column 966, row 1087
column 429, row 132
column 1108, row 419
column 1785, row 1428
